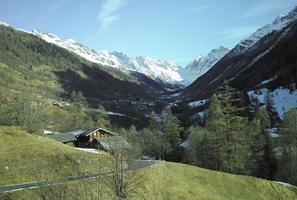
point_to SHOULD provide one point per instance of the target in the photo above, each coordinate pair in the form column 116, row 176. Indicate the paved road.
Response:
column 132, row 166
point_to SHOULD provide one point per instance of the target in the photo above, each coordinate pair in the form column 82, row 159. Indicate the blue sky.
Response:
column 174, row 30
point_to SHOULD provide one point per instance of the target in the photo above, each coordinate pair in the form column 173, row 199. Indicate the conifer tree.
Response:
column 198, row 146
column 288, row 137
column 215, row 124
column 155, row 134
column 170, row 133
column 227, row 128
column 261, row 159
column 234, row 130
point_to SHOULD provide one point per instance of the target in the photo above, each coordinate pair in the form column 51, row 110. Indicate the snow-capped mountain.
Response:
column 266, row 54
column 279, row 23
column 159, row 70
column 155, row 69
column 202, row 64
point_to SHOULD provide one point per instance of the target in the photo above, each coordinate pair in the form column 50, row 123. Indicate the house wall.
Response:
column 87, row 141
column 82, row 142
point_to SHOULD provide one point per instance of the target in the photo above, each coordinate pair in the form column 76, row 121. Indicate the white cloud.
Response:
column 238, row 32
column 268, row 6
column 108, row 12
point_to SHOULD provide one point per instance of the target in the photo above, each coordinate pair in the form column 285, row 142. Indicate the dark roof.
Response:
column 113, row 143
column 63, row 137
column 86, row 131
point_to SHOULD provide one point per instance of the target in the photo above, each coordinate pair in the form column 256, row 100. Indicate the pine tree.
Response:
column 153, row 122
column 154, row 125
column 288, row 140
column 215, row 124
column 261, row 159
column 227, row 128
column 198, row 153
column 170, row 134
column 235, row 126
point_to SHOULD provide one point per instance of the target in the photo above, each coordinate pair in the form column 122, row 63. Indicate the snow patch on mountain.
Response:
column 198, row 103
column 155, row 69
column 278, row 24
column 3, row 23
column 159, row 70
column 282, row 99
column 201, row 64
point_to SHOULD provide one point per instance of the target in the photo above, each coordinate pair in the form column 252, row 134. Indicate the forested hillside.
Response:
column 47, row 73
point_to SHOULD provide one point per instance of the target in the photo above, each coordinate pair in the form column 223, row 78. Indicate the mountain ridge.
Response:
column 162, row 71
column 269, row 65
column 202, row 64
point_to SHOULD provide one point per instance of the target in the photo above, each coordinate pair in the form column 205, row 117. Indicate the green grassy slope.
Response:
column 48, row 73
column 178, row 181
column 25, row 158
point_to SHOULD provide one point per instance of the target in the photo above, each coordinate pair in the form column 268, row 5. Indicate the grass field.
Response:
column 178, row 181
column 27, row 157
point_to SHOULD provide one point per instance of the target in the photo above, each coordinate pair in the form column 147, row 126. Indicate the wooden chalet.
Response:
column 97, row 138
column 85, row 136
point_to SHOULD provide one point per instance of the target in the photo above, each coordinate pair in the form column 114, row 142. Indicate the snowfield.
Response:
column 197, row 103
column 282, row 99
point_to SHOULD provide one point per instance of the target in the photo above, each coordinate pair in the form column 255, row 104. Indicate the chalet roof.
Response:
column 86, row 131
column 113, row 143
column 63, row 137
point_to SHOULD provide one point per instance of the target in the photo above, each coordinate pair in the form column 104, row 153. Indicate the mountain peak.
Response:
column 279, row 23
column 202, row 64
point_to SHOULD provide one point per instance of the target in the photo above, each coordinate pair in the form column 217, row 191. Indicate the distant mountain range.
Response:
column 265, row 62
column 263, row 66
column 159, row 70
column 202, row 64
column 262, row 56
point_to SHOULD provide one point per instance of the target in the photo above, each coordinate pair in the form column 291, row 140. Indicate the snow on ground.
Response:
column 258, row 95
column 89, row 150
column 202, row 115
column 267, row 81
column 282, row 99
column 148, row 158
column 116, row 114
column 47, row 132
column 110, row 113
column 273, row 132
column 282, row 183
column 4, row 24
column 198, row 103
column 176, row 94
column 278, row 151
column 172, row 105
column 185, row 144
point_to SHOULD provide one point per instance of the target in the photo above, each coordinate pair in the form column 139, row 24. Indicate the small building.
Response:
column 85, row 136
column 97, row 138
column 113, row 145
column 65, row 138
